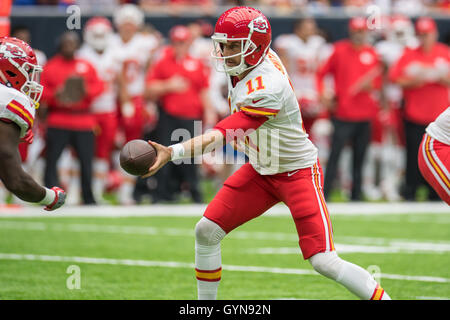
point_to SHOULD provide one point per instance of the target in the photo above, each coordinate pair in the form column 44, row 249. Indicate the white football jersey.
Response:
column 108, row 66
column 304, row 57
column 439, row 129
column 280, row 144
column 17, row 107
column 135, row 55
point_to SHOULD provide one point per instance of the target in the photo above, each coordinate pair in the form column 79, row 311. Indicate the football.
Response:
column 137, row 156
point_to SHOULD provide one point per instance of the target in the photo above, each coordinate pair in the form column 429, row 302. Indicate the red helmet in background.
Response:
column 251, row 28
column 19, row 68
column 98, row 32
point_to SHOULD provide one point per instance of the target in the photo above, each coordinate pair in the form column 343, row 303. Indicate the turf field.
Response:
column 151, row 257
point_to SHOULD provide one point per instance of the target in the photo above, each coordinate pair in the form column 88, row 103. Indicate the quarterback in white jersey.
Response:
column 263, row 107
column 20, row 92
column 434, row 155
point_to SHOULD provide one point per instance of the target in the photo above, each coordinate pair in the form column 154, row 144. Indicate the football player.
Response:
column 434, row 152
column 20, row 92
column 135, row 50
column 97, row 50
column 283, row 167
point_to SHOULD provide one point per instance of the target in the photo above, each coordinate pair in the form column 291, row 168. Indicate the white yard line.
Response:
column 346, row 244
column 431, row 298
column 176, row 264
column 196, row 210
column 393, row 247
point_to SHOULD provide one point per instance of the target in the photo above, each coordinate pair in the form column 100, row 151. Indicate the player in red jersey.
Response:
column 20, row 92
column 283, row 167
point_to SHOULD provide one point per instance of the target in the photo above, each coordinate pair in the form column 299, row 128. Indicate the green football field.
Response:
column 152, row 257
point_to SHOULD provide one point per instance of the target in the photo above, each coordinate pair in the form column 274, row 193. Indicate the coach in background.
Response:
column 70, row 85
column 179, row 83
column 424, row 75
column 356, row 70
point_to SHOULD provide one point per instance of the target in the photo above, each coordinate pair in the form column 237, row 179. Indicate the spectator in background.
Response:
column 357, row 74
column 179, row 83
column 424, row 75
column 70, row 86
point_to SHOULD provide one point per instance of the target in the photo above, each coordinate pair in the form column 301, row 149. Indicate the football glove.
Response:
column 60, row 198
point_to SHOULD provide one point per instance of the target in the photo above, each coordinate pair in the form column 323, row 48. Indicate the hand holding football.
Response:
column 137, row 156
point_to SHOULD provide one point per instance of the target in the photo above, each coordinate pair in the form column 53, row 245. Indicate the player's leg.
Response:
column 104, row 144
column 303, row 194
column 361, row 140
column 357, row 280
column 244, row 196
column 84, row 146
column 57, row 139
column 433, row 159
column 341, row 133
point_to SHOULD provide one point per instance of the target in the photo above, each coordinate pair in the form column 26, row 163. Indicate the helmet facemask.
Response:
column 247, row 48
column 31, row 87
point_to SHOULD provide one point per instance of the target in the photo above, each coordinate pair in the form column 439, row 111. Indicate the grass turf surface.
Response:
column 172, row 239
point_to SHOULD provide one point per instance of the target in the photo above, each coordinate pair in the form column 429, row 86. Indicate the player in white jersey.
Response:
column 97, row 50
column 302, row 52
column 20, row 92
column 434, row 155
column 386, row 150
column 135, row 51
column 283, row 162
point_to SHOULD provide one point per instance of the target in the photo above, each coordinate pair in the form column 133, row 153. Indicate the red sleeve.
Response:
column 239, row 121
column 327, row 67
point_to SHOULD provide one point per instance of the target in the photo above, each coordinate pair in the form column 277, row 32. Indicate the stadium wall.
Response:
column 45, row 30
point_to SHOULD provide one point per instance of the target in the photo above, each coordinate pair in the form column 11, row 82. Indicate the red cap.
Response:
column 425, row 25
column 180, row 33
column 357, row 24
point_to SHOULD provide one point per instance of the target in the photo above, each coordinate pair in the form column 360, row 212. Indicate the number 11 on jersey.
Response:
column 259, row 85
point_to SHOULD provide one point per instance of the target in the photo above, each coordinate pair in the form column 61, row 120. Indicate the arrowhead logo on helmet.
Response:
column 11, row 51
column 259, row 25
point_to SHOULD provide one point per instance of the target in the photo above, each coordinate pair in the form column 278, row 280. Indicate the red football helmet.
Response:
column 251, row 28
column 98, row 32
column 19, row 68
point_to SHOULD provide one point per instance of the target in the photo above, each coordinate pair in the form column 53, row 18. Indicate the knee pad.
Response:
column 327, row 264
column 208, row 233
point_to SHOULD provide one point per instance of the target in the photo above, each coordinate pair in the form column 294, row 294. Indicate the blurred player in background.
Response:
column 283, row 165
column 180, row 84
column 386, row 154
column 424, row 75
column 98, row 51
column 20, row 93
column 434, row 155
column 357, row 76
column 302, row 52
column 71, row 84
column 135, row 51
